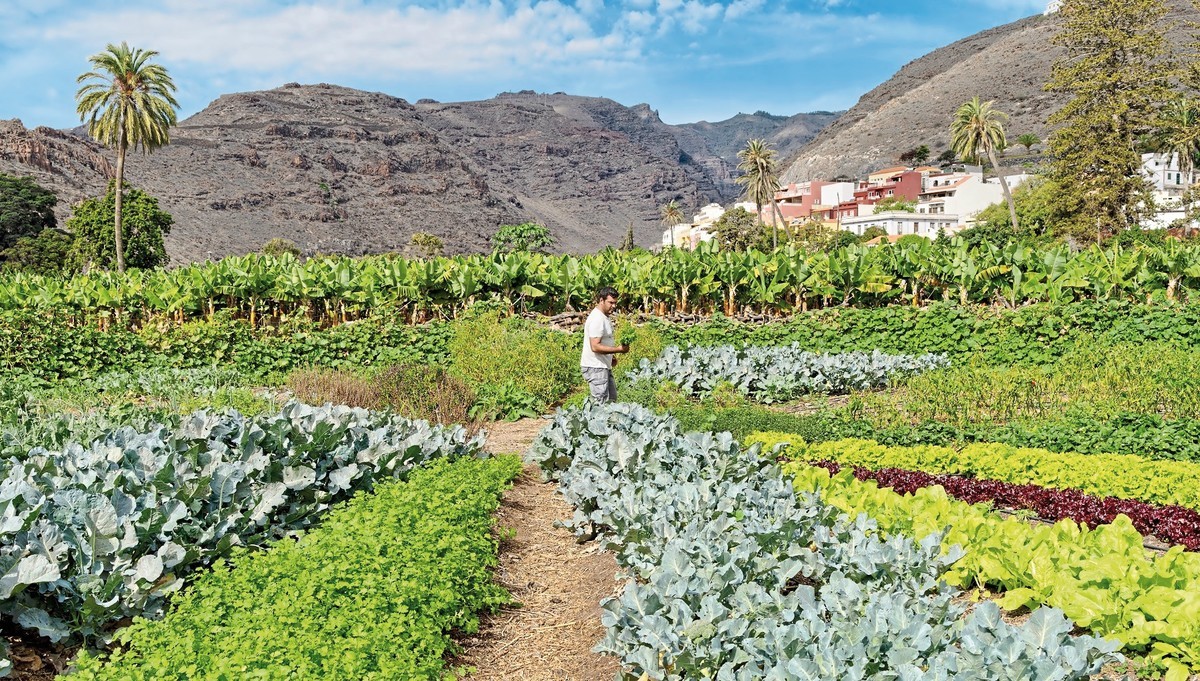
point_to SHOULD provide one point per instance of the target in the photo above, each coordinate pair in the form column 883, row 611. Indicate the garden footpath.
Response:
column 558, row 583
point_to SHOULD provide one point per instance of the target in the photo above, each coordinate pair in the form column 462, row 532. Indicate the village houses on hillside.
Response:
column 945, row 201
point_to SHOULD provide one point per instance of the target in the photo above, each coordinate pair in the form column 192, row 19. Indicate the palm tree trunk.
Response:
column 118, row 241
column 778, row 219
column 1012, row 208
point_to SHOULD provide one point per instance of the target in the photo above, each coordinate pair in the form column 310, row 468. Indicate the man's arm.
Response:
column 602, row 349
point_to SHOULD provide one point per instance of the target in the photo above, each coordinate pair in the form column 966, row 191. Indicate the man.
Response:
column 599, row 348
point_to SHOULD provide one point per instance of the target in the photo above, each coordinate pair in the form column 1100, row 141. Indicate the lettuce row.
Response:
column 374, row 592
column 92, row 534
column 1125, row 476
column 1174, row 524
column 736, row 577
column 1102, row 578
column 778, row 374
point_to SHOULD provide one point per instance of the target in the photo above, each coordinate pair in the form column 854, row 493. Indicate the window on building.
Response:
column 891, row 192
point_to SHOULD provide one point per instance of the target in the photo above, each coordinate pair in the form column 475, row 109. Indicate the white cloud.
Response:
column 739, row 8
column 346, row 37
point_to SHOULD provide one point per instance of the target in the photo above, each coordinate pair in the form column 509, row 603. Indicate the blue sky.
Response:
column 689, row 59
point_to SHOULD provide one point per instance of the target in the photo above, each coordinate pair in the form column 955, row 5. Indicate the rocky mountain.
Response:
column 715, row 145
column 1008, row 64
column 341, row 170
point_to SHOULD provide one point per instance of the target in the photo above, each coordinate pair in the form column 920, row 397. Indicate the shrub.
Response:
column 486, row 350
column 278, row 246
column 425, row 391
column 336, row 386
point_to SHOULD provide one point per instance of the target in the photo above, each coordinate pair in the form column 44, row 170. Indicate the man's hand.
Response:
column 622, row 349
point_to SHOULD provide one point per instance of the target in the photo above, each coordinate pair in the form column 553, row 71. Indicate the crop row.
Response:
column 1147, row 436
column 337, row 289
column 95, row 533
column 373, row 593
column 1124, row 476
column 779, row 374
column 734, row 576
column 1172, row 524
column 1102, row 578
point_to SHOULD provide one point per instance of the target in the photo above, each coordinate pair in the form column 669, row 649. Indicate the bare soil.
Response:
column 558, row 583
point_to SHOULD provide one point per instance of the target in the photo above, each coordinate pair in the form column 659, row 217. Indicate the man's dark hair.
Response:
column 605, row 292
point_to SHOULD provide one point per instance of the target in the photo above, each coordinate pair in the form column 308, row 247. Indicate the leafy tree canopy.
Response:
column 46, row 253
column 738, row 230
column 1041, row 207
column 144, row 223
column 527, row 236
column 25, row 209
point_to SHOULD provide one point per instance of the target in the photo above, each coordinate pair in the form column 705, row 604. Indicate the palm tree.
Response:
column 672, row 215
column 1179, row 132
column 1029, row 141
column 761, row 182
column 976, row 128
column 128, row 104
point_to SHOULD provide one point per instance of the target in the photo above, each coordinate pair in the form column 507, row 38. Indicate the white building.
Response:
column 901, row 223
column 1164, row 173
column 1169, row 181
column 690, row 235
column 964, row 194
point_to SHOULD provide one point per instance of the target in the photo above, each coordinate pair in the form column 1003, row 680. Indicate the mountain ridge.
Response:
column 342, row 170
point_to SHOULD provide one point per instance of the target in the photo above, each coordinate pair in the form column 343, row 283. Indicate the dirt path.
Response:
column 558, row 583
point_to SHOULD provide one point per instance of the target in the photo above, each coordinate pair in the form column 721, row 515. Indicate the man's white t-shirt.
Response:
column 599, row 326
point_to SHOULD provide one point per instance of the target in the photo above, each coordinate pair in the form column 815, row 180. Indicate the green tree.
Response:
column 46, row 253
column 1116, row 82
column 93, row 225
column 529, row 237
column 947, row 157
column 1042, row 210
column 872, row 232
column 627, row 244
column 672, row 215
column 759, row 177
column 426, row 245
column 738, row 230
column 916, row 156
column 25, row 209
column 127, row 103
column 979, row 128
column 895, row 203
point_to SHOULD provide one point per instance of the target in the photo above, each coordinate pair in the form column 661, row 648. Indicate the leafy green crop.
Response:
column 373, row 593
column 1102, row 578
column 98, row 532
column 734, row 576
column 1106, row 475
column 774, row 374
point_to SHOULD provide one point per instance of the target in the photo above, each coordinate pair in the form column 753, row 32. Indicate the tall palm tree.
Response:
column 976, row 128
column 759, row 177
column 1179, row 132
column 672, row 215
column 127, row 104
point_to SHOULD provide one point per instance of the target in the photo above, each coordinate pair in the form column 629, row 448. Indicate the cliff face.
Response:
column 1009, row 64
column 341, row 170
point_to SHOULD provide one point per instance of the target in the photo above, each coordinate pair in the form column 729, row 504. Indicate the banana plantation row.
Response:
column 707, row 280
